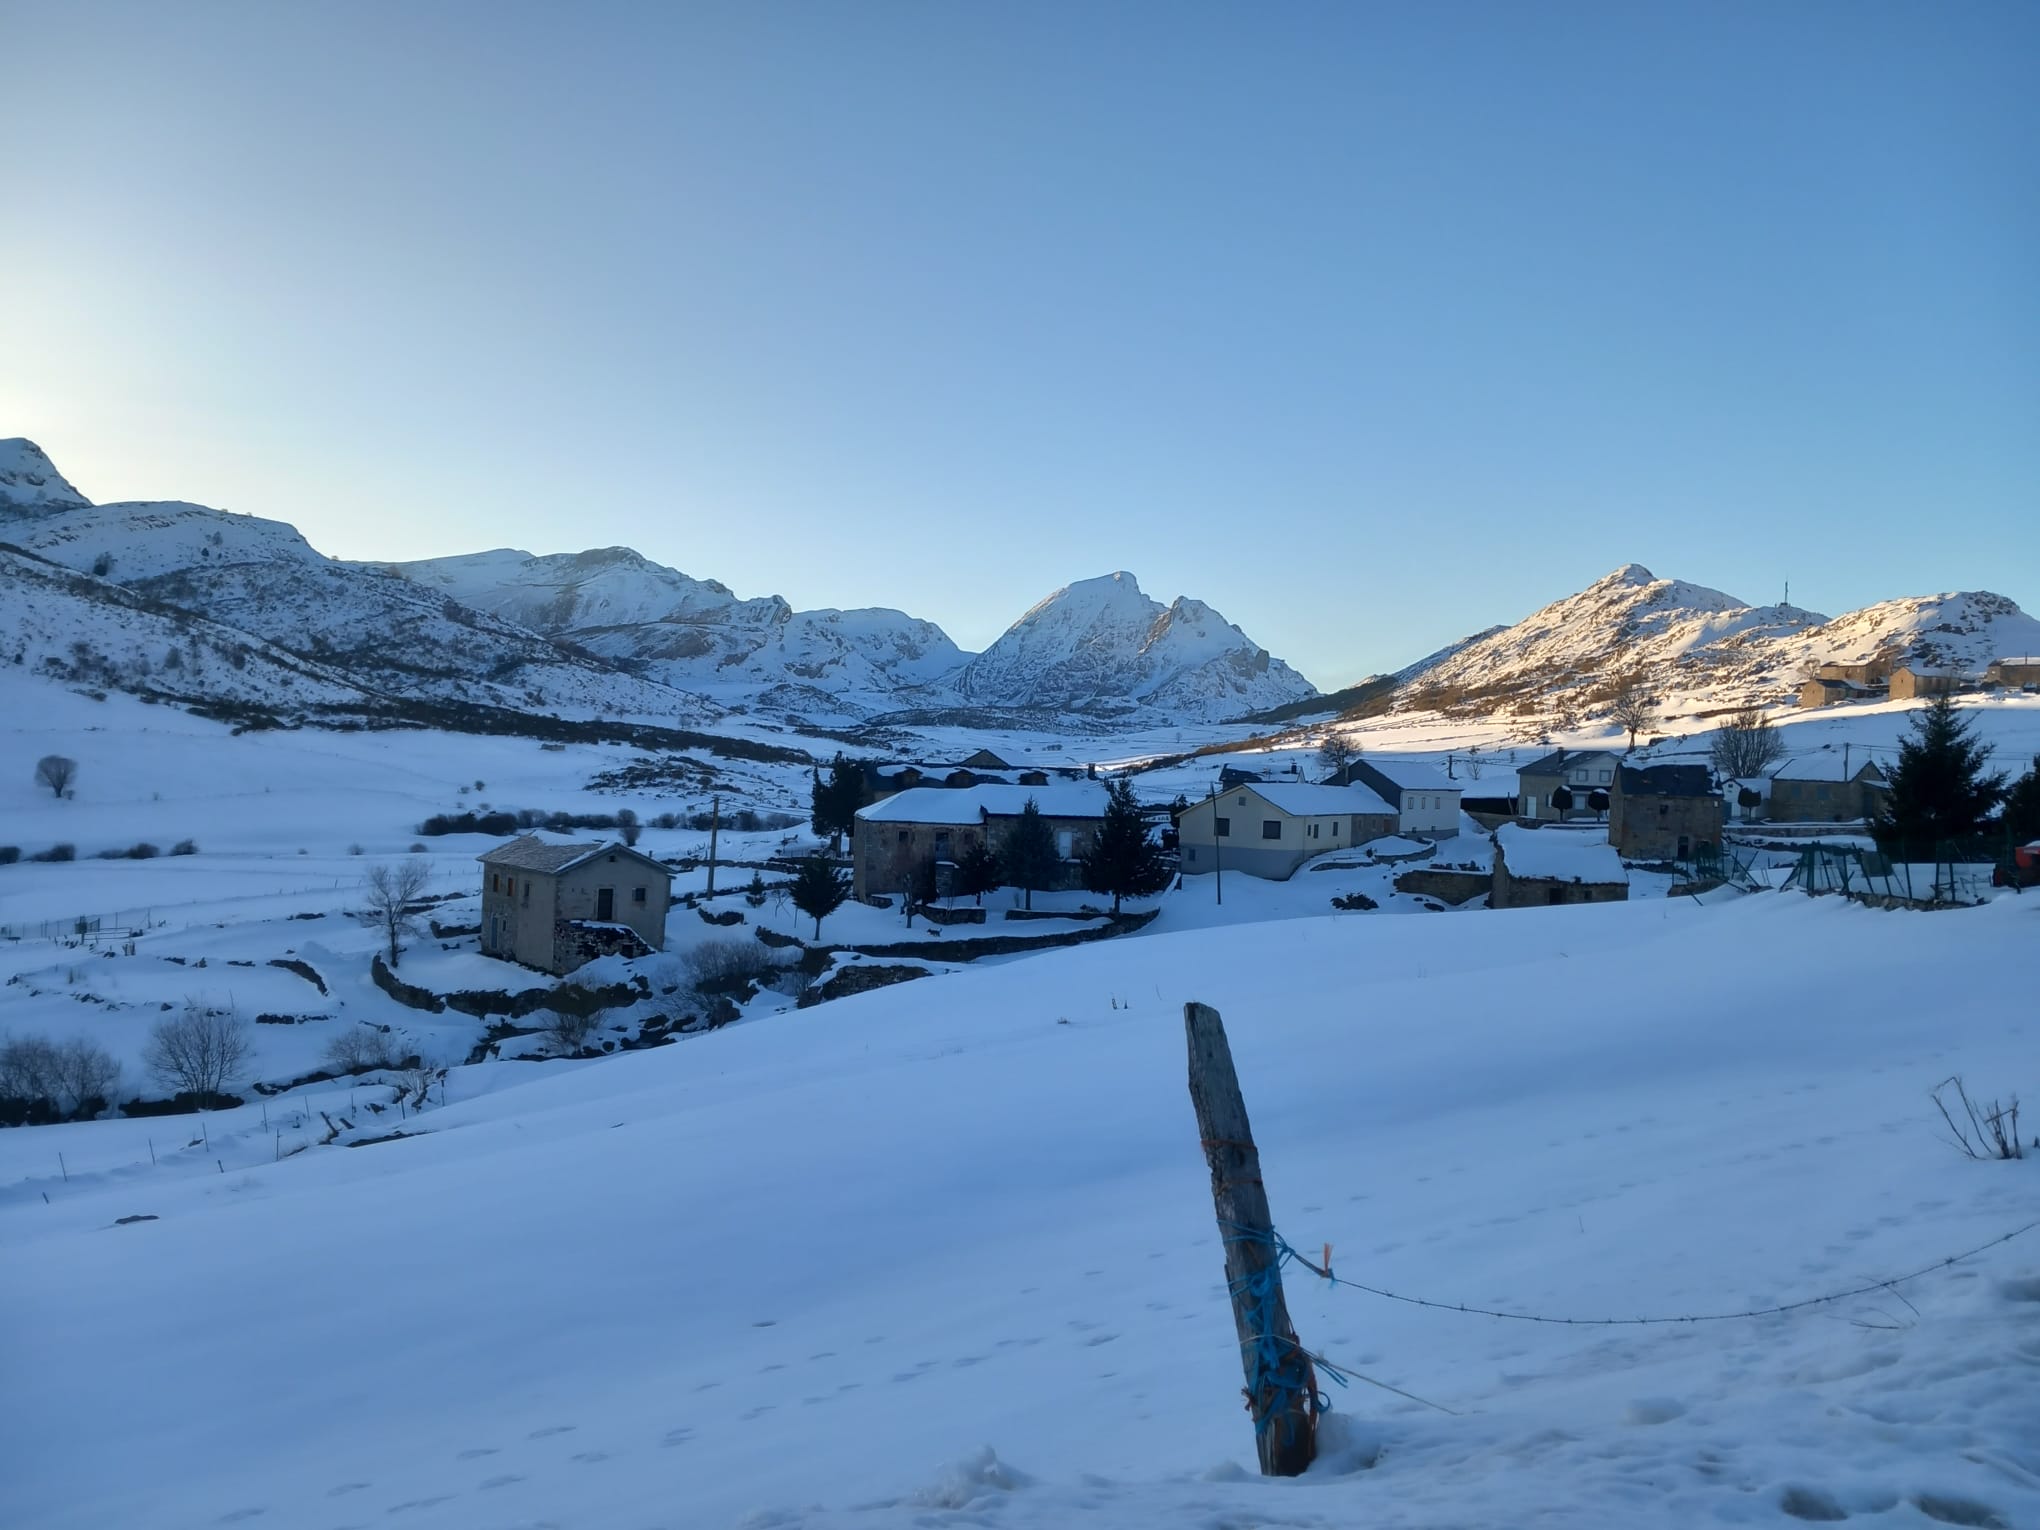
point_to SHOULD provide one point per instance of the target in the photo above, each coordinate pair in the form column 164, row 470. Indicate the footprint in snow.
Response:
column 550, row 1430
column 419, row 1503
column 476, row 1452
column 238, row 1515
column 503, row 1481
column 674, row 1437
column 345, row 1488
column 589, row 1457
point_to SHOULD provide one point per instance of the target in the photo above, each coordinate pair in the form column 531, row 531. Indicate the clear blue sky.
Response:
column 1368, row 324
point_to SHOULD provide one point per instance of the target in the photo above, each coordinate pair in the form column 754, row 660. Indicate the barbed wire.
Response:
column 1285, row 1253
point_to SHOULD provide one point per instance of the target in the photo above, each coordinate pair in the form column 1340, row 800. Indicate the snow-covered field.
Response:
column 944, row 1254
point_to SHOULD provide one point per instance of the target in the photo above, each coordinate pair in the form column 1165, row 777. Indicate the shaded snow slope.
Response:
column 1101, row 645
column 804, row 1272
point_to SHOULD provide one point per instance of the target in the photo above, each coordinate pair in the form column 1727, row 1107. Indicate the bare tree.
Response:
column 200, row 1051
column 56, row 772
column 628, row 827
column 391, row 892
column 1336, row 753
column 1746, row 745
column 87, row 1077
column 1631, row 705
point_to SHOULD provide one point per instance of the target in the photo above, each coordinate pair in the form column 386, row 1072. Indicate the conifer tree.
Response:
column 977, row 870
column 2022, row 806
column 1028, row 852
column 1939, row 791
column 818, row 890
column 1122, row 860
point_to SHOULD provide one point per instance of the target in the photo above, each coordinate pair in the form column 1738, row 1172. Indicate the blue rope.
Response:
column 1272, row 1364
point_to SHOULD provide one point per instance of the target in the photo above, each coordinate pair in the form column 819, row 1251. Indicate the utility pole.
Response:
column 1217, row 859
column 714, row 829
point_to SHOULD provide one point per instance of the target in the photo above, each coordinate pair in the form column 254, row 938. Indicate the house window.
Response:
column 1310, row 831
column 527, row 891
column 637, row 895
column 942, row 844
column 1066, row 843
column 1239, row 802
column 513, row 887
column 1224, row 830
column 903, row 836
column 1190, row 852
column 1335, row 829
column 1271, row 828
column 495, row 882
column 1603, row 776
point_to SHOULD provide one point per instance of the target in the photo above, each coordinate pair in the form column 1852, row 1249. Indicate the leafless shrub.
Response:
column 568, row 1032
column 360, row 1048
column 721, row 966
column 200, row 1051
column 1980, row 1131
column 87, row 1077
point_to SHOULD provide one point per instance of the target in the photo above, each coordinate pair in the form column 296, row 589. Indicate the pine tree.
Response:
column 818, row 890
column 1939, row 792
column 1122, row 860
column 977, row 870
column 1028, row 852
column 833, row 803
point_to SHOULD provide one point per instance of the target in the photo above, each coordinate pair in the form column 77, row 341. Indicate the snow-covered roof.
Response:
column 1410, row 775
column 544, row 853
column 1824, row 765
column 1300, row 799
column 1563, row 855
column 936, row 804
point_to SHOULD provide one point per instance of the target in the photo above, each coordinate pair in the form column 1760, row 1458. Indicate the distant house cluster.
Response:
column 1888, row 678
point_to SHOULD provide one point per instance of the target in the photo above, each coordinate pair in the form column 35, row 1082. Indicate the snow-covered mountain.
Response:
column 1703, row 648
column 260, row 589
column 698, row 635
column 1101, row 646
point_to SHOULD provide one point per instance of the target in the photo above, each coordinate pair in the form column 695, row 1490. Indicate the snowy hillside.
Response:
column 697, row 635
column 30, row 483
column 1102, row 646
column 205, row 572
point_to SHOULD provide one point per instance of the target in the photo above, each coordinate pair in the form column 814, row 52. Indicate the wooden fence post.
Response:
column 1281, row 1382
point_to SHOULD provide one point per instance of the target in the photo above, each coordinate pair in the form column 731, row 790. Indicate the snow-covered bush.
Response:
column 56, row 853
column 185, row 847
column 568, row 1032
column 41, row 1080
column 728, row 965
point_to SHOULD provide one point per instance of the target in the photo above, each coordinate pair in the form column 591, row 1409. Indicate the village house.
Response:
column 1426, row 804
column 1580, row 771
column 1664, row 813
column 554, row 904
column 897, row 836
column 1826, row 786
column 1910, row 681
column 1269, row 828
column 1535, row 868
column 1828, row 691
column 2022, row 673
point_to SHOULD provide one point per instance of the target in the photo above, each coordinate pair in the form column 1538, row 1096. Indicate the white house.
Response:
column 1269, row 828
column 1426, row 804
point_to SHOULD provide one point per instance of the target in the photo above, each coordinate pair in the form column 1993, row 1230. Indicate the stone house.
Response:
column 1269, row 828
column 1536, row 868
column 1872, row 674
column 1827, row 691
column 1580, row 771
column 2021, row 672
column 1664, row 813
column 897, row 836
column 1826, row 787
column 1910, row 681
column 555, row 904
column 1426, row 804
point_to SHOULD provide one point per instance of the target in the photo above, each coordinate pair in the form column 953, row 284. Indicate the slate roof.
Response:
column 530, row 852
column 1559, row 761
column 971, row 804
column 1302, row 800
column 1665, row 781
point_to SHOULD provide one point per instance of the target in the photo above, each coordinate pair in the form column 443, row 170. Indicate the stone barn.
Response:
column 554, row 904
column 1536, row 868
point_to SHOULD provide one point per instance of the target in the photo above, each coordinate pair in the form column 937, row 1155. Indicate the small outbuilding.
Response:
column 554, row 904
column 1536, row 868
